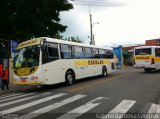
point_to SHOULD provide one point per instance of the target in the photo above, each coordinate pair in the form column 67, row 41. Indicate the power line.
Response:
column 95, row 3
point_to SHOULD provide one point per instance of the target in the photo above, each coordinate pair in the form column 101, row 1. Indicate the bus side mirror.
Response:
column 42, row 48
column 42, row 44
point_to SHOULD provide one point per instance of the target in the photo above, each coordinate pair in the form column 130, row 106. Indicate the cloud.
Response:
column 77, row 21
column 135, row 22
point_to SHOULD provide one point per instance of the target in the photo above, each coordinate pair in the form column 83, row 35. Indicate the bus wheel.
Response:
column 104, row 72
column 69, row 78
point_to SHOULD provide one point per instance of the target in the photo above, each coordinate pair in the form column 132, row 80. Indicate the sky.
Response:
column 123, row 22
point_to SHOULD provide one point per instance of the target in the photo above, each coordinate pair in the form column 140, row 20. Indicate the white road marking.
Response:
column 153, row 108
column 158, row 109
column 10, row 95
column 23, row 95
column 157, row 115
column 23, row 99
column 51, row 107
column 82, row 109
column 122, row 108
column 31, row 104
column 153, row 112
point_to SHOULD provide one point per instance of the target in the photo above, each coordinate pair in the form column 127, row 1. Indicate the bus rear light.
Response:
column 152, row 61
column 46, row 79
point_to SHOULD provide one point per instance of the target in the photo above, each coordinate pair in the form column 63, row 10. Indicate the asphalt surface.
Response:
column 130, row 91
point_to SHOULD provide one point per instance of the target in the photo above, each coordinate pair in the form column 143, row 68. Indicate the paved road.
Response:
column 131, row 92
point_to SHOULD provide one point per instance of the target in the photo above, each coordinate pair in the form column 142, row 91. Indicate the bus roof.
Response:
column 74, row 43
column 141, row 47
column 28, row 43
column 40, row 40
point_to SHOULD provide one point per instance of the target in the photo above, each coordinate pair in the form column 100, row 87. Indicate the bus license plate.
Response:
column 23, row 80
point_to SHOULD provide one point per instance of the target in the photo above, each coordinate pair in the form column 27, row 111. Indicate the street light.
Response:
column 93, row 34
column 91, row 25
column 95, row 23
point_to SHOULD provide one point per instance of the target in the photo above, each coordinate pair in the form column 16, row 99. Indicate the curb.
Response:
column 127, row 67
column 15, row 88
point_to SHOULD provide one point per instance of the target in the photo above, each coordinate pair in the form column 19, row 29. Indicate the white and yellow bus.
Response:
column 147, row 57
column 50, row 61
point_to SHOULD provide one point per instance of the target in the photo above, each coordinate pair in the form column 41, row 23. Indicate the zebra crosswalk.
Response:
column 23, row 95
column 22, row 99
column 9, row 95
column 16, row 102
column 14, row 109
column 51, row 107
column 82, row 109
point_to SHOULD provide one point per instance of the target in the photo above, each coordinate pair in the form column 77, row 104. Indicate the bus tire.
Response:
column 69, row 77
column 104, row 72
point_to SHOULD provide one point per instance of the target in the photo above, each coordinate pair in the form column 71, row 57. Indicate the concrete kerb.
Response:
column 127, row 67
column 16, row 88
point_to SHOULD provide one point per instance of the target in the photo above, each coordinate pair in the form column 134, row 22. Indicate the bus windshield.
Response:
column 144, row 51
column 27, row 57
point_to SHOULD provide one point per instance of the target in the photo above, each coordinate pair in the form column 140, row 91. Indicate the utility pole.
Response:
column 91, row 29
column 93, row 41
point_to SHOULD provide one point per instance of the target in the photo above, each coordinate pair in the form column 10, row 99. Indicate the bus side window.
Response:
column 109, row 54
column 88, row 53
column 96, row 53
column 157, row 52
column 50, row 52
column 78, row 52
column 66, row 51
column 102, row 53
column 53, row 51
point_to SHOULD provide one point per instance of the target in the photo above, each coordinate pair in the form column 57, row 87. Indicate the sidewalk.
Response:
column 15, row 88
column 127, row 67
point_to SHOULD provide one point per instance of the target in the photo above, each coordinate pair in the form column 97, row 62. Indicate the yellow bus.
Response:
column 45, row 61
column 147, row 57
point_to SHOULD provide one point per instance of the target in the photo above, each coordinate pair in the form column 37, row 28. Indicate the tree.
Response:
column 74, row 39
column 25, row 19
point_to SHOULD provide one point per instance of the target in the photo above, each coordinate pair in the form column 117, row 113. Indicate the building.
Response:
column 153, row 42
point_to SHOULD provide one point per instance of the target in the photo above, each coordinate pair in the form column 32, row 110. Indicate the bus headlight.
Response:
column 32, row 70
column 15, row 71
column 34, row 78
